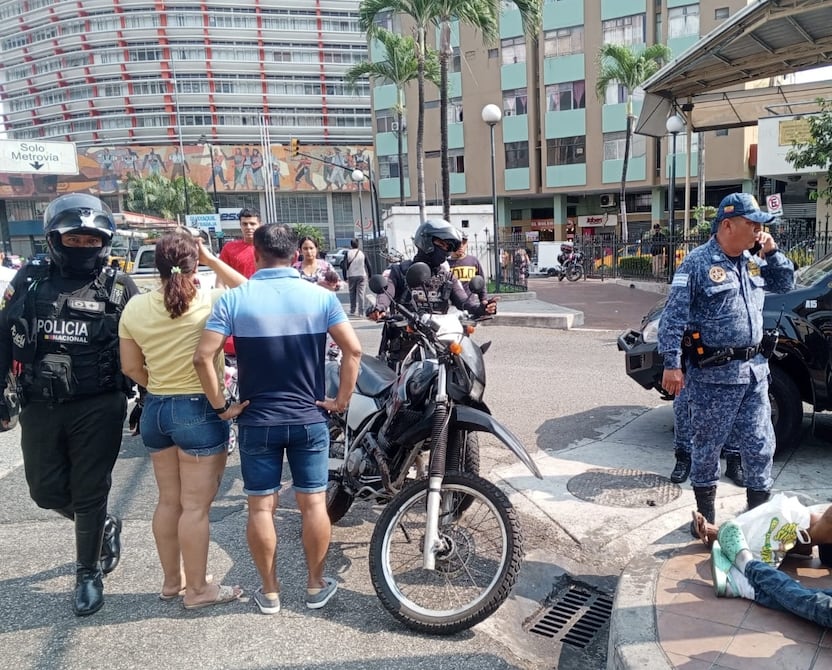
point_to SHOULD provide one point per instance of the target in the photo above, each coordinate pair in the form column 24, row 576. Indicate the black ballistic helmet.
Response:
column 423, row 237
column 82, row 213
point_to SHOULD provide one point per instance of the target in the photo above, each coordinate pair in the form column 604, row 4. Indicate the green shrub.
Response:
column 635, row 265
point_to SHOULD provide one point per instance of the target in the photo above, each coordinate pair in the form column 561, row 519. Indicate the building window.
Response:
column 456, row 161
column 722, row 132
column 517, row 155
column 625, row 30
column 515, row 102
column 388, row 167
column 616, row 94
column 683, row 21
column 493, row 53
column 455, row 110
column 566, row 96
column 722, row 13
column 566, row 150
column 614, row 146
column 563, row 42
column 514, row 50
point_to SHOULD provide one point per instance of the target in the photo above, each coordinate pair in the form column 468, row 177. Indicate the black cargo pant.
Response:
column 70, row 448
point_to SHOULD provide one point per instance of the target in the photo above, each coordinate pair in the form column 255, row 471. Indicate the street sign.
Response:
column 774, row 204
column 209, row 222
column 33, row 157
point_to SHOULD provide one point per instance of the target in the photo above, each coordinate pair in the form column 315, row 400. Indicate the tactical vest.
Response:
column 435, row 295
column 70, row 347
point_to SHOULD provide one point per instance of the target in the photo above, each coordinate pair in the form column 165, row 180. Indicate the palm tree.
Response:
column 483, row 16
column 630, row 68
column 157, row 195
column 400, row 67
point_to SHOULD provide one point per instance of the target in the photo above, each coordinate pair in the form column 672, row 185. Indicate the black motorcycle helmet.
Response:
column 82, row 213
column 435, row 229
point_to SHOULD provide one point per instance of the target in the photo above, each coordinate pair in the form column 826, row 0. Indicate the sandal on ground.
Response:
column 181, row 592
column 225, row 594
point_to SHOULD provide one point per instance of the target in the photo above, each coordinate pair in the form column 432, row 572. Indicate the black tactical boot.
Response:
column 681, row 471
column 733, row 469
column 89, row 585
column 111, row 544
column 756, row 498
column 705, row 505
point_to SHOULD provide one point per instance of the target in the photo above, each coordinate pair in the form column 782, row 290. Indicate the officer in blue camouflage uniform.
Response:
column 718, row 293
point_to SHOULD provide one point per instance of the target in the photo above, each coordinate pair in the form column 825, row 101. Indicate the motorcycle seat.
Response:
column 374, row 377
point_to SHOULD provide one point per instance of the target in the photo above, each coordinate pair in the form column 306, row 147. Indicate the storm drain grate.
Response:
column 575, row 618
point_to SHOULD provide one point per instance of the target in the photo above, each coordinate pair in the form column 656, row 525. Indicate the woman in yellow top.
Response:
column 185, row 436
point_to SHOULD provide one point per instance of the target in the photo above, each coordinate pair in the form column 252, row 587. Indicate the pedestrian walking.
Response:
column 356, row 269
column 186, row 439
column 714, row 319
column 59, row 335
column 280, row 324
column 658, row 250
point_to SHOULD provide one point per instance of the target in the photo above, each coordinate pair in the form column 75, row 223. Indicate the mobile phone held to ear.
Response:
column 755, row 249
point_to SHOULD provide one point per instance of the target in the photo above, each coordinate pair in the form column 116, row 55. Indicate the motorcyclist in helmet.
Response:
column 434, row 240
column 59, row 339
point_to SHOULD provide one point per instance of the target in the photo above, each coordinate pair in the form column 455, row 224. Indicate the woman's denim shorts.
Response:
column 186, row 421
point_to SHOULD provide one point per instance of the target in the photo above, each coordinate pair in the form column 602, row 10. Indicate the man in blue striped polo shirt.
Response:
column 279, row 323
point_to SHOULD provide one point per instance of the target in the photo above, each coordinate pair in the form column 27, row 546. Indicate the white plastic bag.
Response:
column 774, row 528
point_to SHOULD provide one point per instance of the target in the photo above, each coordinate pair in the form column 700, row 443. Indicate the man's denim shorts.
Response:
column 261, row 457
column 186, row 421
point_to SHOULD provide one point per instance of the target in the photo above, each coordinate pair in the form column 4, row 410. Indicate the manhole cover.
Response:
column 577, row 615
column 623, row 487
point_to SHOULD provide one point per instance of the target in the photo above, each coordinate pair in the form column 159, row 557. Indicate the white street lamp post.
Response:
column 358, row 178
column 674, row 125
column 492, row 115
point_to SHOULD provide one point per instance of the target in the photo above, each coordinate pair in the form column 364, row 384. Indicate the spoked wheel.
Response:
column 475, row 570
column 233, row 437
column 338, row 501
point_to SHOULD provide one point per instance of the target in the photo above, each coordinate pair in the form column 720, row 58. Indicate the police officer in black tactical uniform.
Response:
column 434, row 240
column 59, row 337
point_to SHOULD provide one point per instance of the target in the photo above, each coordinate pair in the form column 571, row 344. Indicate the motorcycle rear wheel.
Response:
column 574, row 272
column 338, row 501
column 474, row 574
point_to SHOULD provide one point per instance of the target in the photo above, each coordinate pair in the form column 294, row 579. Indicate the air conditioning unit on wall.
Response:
column 608, row 200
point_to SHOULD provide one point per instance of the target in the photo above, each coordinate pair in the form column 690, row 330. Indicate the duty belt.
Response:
column 714, row 357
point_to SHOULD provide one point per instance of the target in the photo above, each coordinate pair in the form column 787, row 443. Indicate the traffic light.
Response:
column 294, row 147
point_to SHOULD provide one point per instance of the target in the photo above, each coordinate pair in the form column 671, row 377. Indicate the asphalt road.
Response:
column 605, row 304
column 552, row 388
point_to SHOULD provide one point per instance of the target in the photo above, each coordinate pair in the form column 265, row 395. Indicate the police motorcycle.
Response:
column 571, row 262
column 446, row 548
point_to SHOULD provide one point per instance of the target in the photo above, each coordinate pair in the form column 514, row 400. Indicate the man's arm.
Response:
column 672, row 325
column 777, row 270
column 347, row 341
column 471, row 303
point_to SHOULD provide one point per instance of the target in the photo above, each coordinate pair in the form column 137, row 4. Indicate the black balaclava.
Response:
column 434, row 260
column 78, row 262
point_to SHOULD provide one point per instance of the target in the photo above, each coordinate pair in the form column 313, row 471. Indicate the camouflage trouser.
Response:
column 737, row 414
column 682, row 429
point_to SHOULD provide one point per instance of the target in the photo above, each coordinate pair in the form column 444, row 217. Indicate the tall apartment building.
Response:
column 559, row 148
column 194, row 87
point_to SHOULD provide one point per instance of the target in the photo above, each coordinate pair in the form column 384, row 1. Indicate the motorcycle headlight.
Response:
column 650, row 332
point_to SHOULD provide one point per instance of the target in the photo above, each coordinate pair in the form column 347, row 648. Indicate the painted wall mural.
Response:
column 237, row 167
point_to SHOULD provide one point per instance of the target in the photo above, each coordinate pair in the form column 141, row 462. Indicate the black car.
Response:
column 801, row 367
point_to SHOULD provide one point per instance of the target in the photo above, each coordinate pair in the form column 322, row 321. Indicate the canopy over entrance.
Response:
column 767, row 38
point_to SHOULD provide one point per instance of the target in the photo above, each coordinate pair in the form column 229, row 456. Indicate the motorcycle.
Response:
column 446, row 549
column 571, row 263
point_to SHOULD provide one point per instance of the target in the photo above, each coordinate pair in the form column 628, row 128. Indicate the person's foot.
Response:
column 729, row 582
column 111, row 544
column 731, row 540
column 89, row 592
column 266, row 604
column 317, row 598
column 681, row 471
column 733, row 469
column 223, row 594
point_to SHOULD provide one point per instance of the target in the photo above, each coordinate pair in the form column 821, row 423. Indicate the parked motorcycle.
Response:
column 571, row 263
column 446, row 549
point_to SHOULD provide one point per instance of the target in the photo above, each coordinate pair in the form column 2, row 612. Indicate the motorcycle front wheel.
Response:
column 475, row 570
column 574, row 272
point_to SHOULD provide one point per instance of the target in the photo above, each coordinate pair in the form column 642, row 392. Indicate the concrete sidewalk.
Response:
column 611, row 495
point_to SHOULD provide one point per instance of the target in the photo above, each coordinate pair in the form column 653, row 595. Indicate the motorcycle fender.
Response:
column 472, row 419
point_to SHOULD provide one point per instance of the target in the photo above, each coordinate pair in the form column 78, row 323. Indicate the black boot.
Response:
column 89, row 585
column 705, row 505
column 756, row 498
column 733, row 469
column 111, row 544
column 681, row 471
